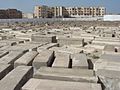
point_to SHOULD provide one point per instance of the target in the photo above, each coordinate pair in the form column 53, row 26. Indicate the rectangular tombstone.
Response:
column 44, row 58
column 2, row 44
column 69, row 50
column 110, row 78
column 61, row 60
column 4, row 70
column 26, row 59
column 43, row 38
column 8, row 42
column 16, row 78
column 70, row 41
column 42, row 84
column 11, row 57
column 108, row 73
column 47, row 46
column 79, row 61
column 109, row 49
column 98, row 42
column 18, row 40
column 111, row 57
column 25, row 47
column 65, row 74
column 5, row 48
column 3, row 53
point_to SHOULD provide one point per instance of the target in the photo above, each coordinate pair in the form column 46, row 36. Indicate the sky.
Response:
column 27, row 6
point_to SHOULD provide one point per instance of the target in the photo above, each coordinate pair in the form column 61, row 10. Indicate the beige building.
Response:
column 41, row 11
column 45, row 12
column 85, row 11
column 60, row 11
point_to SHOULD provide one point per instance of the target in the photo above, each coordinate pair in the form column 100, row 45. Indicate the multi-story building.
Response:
column 10, row 14
column 50, row 12
column 13, row 13
column 41, row 11
column 86, row 11
column 60, row 11
column 3, row 14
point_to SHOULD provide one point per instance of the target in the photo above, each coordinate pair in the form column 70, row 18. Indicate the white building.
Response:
column 111, row 17
column 28, row 15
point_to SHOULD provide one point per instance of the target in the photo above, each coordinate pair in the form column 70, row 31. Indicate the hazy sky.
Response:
column 28, row 5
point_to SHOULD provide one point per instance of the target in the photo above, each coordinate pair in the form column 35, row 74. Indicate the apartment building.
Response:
column 60, row 11
column 49, row 12
column 86, row 11
column 41, row 11
column 3, row 14
column 13, row 13
column 10, row 14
